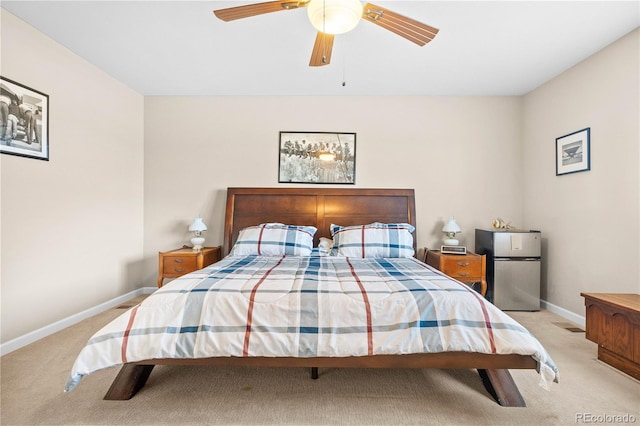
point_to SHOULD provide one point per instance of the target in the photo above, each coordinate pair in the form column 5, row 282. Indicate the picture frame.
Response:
column 24, row 120
column 573, row 152
column 317, row 157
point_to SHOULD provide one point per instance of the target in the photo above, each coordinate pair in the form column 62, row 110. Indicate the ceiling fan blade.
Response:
column 412, row 30
column 249, row 10
column 321, row 54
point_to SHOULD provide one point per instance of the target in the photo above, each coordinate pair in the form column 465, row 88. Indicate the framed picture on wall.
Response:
column 24, row 120
column 573, row 152
column 317, row 157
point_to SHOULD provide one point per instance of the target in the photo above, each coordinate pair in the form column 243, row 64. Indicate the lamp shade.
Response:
column 334, row 16
column 451, row 226
column 197, row 225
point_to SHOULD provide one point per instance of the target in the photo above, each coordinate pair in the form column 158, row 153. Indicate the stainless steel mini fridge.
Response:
column 513, row 268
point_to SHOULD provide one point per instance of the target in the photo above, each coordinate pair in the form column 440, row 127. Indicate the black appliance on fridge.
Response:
column 513, row 267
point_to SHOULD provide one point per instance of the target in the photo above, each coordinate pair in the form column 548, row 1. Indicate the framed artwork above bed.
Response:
column 317, row 157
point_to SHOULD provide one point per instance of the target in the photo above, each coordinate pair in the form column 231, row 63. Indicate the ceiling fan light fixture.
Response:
column 334, row 16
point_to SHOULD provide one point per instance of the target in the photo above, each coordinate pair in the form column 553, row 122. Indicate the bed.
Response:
column 297, row 287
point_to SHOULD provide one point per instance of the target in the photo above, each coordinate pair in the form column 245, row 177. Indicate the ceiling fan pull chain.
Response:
column 344, row 70
column 324, row 18
column 324, row 50
column 324, row 27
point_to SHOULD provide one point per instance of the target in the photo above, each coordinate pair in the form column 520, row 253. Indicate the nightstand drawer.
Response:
column 179, row 264
column 469, row 268
column 464, row 267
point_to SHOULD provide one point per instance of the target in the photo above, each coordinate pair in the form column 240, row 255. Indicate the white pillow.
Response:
column 376, row 240
column 274, row 239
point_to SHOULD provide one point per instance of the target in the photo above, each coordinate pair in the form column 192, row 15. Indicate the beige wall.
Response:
column 590, row 220
column 462, row 156
column 72, row 226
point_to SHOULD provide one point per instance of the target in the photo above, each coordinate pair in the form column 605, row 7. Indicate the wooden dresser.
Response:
column 613, row 322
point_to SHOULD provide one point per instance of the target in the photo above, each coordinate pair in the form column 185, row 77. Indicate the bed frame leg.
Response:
column 314, row 373
column 128, row 382
column 502, row 388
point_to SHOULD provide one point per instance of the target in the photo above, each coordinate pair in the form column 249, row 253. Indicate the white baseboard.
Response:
column 45, row 331
column 575, row 318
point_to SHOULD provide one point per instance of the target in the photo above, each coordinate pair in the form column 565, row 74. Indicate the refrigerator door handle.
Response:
column 516, row 259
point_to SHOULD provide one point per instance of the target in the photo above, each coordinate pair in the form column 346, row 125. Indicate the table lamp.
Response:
column 450, row 229
column 197, row 227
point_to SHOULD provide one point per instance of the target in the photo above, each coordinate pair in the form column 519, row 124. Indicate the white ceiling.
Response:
column 181, row 48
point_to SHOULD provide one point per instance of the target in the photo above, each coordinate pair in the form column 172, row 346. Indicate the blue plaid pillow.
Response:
column 274, row 239
column 377, row 240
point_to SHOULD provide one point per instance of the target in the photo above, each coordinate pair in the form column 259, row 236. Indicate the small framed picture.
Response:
column 573, row 152
column 24, row 120
column 317, row 157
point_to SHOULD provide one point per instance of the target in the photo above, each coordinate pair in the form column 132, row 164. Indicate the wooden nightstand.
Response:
column 175, row 263
column 469, row 268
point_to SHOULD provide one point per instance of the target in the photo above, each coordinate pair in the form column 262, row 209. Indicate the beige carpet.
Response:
column 33, row 378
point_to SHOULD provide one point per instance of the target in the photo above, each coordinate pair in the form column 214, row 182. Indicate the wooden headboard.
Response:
column 319, row 207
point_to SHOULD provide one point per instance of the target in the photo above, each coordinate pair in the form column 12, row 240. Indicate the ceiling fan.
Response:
column 331, row 17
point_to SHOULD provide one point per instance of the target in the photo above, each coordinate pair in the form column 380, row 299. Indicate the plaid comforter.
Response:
column 309, row 306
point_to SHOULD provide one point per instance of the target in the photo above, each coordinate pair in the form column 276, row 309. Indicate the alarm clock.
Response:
column 453, row 249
